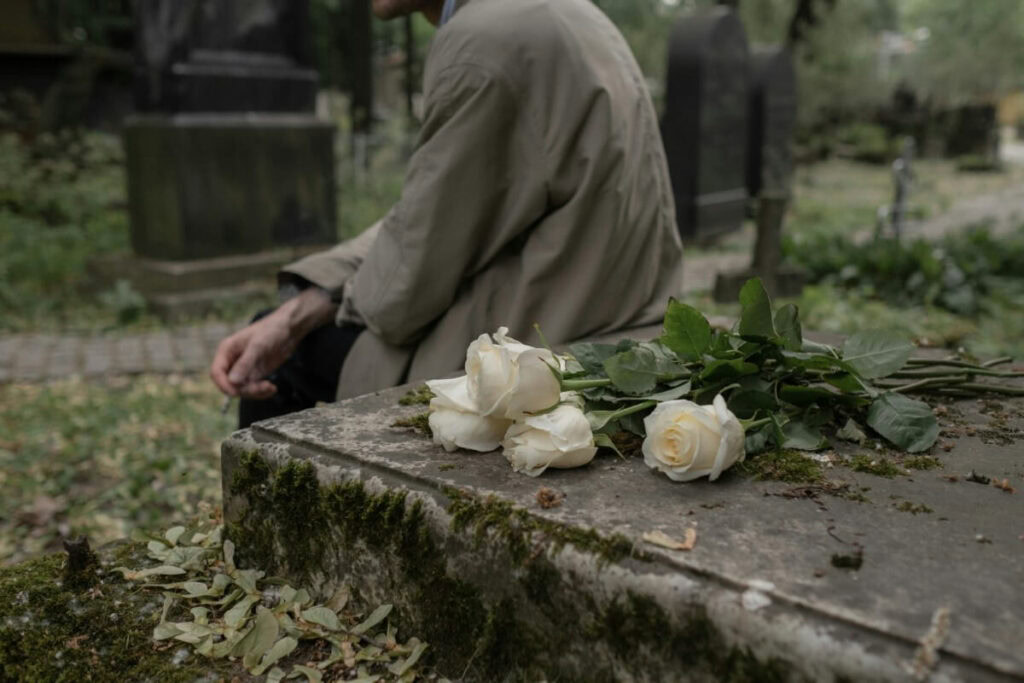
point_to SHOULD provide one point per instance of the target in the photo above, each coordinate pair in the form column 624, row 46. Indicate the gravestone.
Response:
column 773, row 102
column 705, row 123
column 501, row 584
column 769, row 173
column 230, row 174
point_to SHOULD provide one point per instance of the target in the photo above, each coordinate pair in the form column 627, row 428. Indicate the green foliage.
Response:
column 866, row 142
column 789, row 391
column 956, row 274
column 974, row 50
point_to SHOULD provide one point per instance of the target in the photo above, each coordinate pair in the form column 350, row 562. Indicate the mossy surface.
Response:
column 419, row 423
column 420, row 396
column 517, row 527
column 521, row 629
column 878, row 466
column 783, row 465
column 921, row 462
column 635, row 625
column 51, row 631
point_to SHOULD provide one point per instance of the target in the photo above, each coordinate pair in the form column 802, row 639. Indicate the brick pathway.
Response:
column 35, row 357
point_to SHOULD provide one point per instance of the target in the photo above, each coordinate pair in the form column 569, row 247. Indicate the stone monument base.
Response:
column 785, row 582
column 785, row 282
column 207, row 185
column 175, row 289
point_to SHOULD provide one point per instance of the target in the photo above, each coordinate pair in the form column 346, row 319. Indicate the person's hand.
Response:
column 244, row 359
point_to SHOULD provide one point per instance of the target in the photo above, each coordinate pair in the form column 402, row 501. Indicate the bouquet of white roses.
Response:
column 701, row 399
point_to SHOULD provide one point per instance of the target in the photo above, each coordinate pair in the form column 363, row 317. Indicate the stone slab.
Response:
column 499, row 585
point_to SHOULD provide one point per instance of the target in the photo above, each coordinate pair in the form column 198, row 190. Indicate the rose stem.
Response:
column 630, row 410
column 579, row 384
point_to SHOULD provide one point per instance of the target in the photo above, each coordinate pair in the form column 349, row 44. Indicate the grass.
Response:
column 103, row 458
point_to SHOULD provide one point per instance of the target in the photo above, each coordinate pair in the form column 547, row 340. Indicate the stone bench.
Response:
column 503, row 587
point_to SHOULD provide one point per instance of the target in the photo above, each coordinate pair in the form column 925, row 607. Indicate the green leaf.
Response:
column 787, row 324
column 322, row 616
column 237, row 615
column 638, row 370
column 592, row 356
column 605, row 441
column 279, row 651
column 756, row 310
column 724, row 370
column 312, row 675
column 908, row 423
column 195, row 588
column 378, row 615
column 805, row 396
column 745, row 402
column 687, row 331
column 851, row 431
column 173, row 534
column 165, row 631
column 757, row 441
column 401, row 667
column 877, row 353
column 845, row 382
column 259, row 639
column 796, row 434
column 275, row 675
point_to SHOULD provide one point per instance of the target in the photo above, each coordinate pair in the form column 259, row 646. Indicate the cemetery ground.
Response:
column 109, row 455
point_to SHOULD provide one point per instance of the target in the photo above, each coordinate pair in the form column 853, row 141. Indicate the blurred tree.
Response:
column 969, row 52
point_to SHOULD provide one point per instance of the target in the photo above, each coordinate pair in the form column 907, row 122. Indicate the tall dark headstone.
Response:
column 772, row 121
column 229, row 171
column 705, row 124
column 769, row 172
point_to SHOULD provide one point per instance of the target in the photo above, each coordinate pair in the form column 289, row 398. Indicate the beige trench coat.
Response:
column 539, row 193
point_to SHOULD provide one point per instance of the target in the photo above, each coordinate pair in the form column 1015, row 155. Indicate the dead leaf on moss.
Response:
column 549, row 498
column 660, row 538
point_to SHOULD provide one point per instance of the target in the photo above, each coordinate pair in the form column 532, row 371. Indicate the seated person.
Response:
column 538, row 193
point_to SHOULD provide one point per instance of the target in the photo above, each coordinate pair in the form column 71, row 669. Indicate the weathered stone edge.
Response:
column 579, row 607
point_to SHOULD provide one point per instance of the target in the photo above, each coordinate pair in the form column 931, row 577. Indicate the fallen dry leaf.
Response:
column 662, row 539
column 1003, row 485
column 549, row 498
column 76, row 642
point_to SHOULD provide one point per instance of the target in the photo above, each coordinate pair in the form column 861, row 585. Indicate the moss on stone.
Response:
column 50, row 631
column 420, row 396
column 473, row 636
column 913, row 508
column 419, row 423
column 921, row 462
column 783, row 465
column 878, row 466
column 636, row 624
column 516, row 527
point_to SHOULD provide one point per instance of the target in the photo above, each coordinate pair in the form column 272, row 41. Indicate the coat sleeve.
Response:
column 475, row 184
column 331, row 269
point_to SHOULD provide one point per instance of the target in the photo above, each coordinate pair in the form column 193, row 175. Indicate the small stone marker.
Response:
column 902, row 178
column 704, row 127
column 769, row 173
column 501, row 586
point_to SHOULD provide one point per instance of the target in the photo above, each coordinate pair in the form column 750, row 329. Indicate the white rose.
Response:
column 455, row 422
column 685, row 440
column 508, row 379
column 561, row 439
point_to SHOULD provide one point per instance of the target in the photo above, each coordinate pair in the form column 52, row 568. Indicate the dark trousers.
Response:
column 309, row 376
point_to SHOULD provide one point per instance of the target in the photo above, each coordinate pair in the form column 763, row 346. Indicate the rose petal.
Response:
column 454, row 429
column 452, row 394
